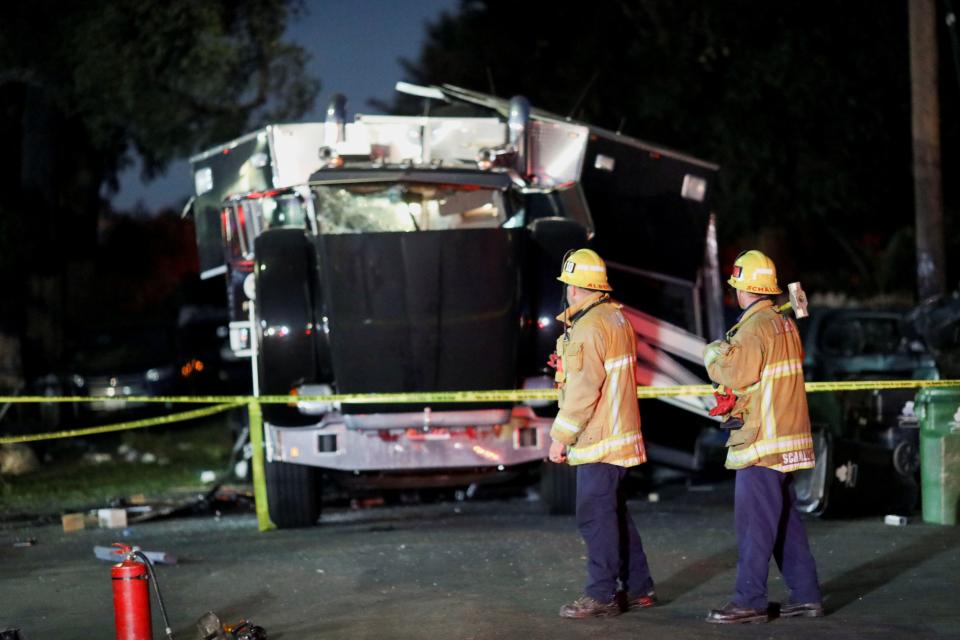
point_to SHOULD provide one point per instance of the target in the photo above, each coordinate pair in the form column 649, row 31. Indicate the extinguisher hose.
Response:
column 156, row 589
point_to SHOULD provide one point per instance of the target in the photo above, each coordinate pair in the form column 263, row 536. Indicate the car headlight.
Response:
column 158, row 374
column 78, row 380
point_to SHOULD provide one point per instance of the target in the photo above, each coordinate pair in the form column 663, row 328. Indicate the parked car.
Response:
column 113, row 364
column 866, row 442
column 938, row 321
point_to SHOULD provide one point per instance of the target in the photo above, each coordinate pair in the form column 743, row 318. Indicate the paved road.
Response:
column 477, row 570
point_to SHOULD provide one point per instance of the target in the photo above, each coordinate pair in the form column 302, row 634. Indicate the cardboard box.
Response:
column 72, row 522
column 112, row 518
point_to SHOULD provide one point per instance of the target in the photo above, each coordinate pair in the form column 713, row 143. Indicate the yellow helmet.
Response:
column 584, row 268
column 754, row 272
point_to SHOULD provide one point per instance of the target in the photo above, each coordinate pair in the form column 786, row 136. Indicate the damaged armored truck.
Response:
column 420, row 253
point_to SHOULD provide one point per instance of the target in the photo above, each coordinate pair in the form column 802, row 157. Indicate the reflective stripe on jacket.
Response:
column 598, row 418
column 761, row 360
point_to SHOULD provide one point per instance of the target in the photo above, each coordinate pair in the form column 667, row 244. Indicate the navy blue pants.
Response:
column 768, row 525
column 614, row 550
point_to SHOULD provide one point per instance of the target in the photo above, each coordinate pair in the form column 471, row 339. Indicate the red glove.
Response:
column 725, row 402
column 555, row 362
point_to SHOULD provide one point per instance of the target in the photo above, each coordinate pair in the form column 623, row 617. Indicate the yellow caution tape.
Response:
column 503, row 395
column 225, row 403
column 122, row 426
column 165, row 399
column 855, row 385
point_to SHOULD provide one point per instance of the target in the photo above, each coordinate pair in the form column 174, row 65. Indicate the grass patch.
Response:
column 71, row 479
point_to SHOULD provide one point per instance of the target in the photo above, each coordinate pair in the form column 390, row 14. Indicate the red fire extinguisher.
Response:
column 131, row 596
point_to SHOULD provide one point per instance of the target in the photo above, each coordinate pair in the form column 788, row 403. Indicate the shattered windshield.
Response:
column 372, row 207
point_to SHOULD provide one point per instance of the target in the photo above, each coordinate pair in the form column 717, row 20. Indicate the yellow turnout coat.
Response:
column 598, row 418
column 762, row 362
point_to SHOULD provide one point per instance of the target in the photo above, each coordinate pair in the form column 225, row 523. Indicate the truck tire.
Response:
column 558, row 488
column 293, row 495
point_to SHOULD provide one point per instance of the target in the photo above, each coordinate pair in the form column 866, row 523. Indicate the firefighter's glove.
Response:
column 725, row 402
column 554, row 361
column 713, row 351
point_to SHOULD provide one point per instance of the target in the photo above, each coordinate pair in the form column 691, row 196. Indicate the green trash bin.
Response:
column 938, row 411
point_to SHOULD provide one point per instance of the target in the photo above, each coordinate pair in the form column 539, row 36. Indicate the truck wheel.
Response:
column 293, row 494
column 558, row 488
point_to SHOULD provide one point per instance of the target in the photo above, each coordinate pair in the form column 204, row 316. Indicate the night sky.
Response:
column 354, row 48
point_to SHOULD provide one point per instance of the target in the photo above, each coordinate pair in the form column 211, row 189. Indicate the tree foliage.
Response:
column 158, row 77
column 805, row 105
column 86, row 86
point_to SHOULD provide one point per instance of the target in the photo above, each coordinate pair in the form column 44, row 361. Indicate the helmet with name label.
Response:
column 754, row 272
column 584, row 268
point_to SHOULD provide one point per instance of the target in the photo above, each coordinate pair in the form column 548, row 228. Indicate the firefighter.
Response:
column 597, row 429
column 761, row 362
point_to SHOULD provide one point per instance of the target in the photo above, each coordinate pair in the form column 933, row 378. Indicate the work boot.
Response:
column 732, row 614
column 801, row 610
column 642, row 601
column 587, row 607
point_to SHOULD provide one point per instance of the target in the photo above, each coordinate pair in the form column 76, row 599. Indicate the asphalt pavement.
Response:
column 476, row 570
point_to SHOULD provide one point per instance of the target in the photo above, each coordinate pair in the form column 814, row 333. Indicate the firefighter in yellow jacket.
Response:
column 761, row 362
column 597, row 428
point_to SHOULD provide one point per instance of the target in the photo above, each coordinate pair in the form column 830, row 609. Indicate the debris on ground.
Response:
column 73, row 522
column 17, row 459
column 209, row 627
column 112, row 518
column 128, row 453
column 97, row 457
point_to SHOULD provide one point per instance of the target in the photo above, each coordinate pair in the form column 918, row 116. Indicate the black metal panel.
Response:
column 423, row 311
column 549, row 240
column 366, row 172
column 639, row 215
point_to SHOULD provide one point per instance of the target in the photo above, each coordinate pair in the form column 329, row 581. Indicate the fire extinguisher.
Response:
column 131, row 595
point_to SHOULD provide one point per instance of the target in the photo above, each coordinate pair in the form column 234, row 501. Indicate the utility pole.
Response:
column 927, row 188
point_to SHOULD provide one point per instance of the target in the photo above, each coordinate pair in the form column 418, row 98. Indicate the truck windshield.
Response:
column 372, row 207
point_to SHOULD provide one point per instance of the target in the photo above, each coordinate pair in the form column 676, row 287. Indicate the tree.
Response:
column 85, row 86
column 805, row 105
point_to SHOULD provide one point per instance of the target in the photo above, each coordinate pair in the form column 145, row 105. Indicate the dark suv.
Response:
column 866, row 441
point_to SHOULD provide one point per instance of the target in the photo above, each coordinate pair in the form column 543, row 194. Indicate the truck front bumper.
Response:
column 386, row 444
